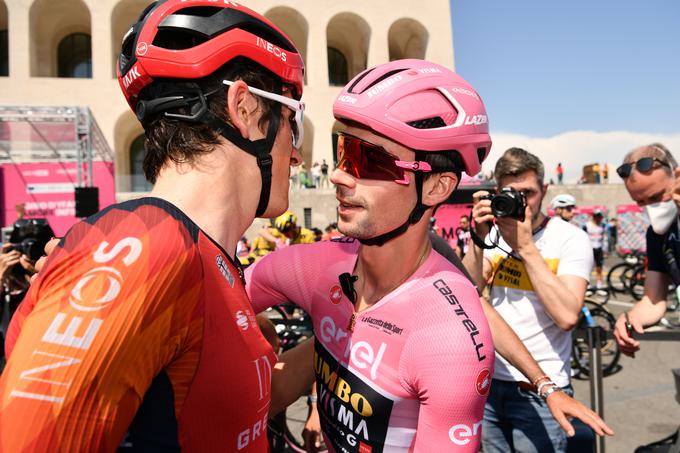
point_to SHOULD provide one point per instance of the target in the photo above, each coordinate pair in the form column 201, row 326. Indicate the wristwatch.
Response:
column 550, row 390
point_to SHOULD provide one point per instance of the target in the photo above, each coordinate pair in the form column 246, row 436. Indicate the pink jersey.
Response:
column 410, row 373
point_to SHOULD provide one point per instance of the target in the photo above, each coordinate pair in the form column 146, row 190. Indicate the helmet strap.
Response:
column 413, row 218
column 261, row 148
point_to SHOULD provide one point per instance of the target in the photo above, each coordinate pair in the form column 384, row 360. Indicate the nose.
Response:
column 342, row 178
column 295, row 157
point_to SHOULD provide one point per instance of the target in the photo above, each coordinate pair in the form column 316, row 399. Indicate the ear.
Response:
column 240, row 107
column 438, row 187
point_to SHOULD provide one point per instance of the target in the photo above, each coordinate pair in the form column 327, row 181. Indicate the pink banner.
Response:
column 47, row 190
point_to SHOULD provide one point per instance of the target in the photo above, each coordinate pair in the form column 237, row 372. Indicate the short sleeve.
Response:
column 576, row 256
column 655, row 259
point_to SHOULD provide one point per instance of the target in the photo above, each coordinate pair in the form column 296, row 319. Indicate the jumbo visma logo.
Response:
column 354, row 416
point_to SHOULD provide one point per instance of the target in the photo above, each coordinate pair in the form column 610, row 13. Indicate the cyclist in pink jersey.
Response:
column 403, row 348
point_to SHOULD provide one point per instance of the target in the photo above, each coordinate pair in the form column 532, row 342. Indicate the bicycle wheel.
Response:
column 637, row 282
column 609, row 348
column 615, row 282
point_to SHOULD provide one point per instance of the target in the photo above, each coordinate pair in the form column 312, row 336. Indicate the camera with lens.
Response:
column 29, row 238
column 508, row 203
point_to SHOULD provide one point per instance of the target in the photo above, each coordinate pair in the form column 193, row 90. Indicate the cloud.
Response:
column 578, row 148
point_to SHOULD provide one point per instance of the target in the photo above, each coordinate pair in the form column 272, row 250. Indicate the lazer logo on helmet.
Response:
column 271, row 48
column 476, row 120
column 382, row 86
column 132, row 75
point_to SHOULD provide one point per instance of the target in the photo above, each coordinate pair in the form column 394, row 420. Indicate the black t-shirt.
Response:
column 656, row 243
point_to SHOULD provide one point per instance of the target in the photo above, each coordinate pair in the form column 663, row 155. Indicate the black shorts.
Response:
column 598, row 255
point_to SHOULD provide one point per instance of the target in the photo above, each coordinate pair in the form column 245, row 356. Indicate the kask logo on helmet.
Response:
column 132, row 75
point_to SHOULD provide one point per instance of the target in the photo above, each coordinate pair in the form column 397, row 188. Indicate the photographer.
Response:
column 17, row 259
column 538, row 269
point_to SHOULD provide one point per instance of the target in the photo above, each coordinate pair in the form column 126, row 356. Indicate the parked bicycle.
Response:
column 595, row 314
column 293, row 326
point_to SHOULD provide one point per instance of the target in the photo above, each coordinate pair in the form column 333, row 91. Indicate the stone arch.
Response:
column 307, row 148
column 123, row 16
column 407, row 38
column 294, row 25
column 125, row 131
column 50, row 21
column 4, row 40
column 349, row 34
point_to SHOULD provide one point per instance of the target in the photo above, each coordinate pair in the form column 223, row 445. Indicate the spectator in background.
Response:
column 324, row 174
column 331, row 232
column 605, row 173
column 560, row 173
column 316, row 174
column 596, row 172
column 612, row 234
column 596, row 234
column 305, row 180
column 653, row 181
column 294, row 177
column 463, row 235
column 564, row 206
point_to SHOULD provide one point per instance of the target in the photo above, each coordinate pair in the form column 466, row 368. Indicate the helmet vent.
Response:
column 195, row 25
column 381, row 78
column 428, row 123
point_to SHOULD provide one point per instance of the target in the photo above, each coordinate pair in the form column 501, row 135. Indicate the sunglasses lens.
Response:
column 645, row 164
column 365, row 160
column 624, row 170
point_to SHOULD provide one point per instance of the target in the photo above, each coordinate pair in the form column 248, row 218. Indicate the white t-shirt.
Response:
column 566, row 249
column 596, row 234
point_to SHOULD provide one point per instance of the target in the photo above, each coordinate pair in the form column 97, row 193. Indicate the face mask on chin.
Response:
column 662, row 215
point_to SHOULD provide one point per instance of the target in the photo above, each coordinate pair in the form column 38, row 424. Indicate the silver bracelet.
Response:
column 312, row 399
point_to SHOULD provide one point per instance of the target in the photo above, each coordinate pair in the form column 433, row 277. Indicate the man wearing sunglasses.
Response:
column 652, row 179
column 141, row 322
column 403, row 354
column 564, row 206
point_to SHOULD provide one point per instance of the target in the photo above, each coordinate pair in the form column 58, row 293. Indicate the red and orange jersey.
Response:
column 139, row 324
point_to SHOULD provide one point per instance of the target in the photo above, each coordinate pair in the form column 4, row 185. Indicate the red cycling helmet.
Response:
column 220, row 31
column 214, row 32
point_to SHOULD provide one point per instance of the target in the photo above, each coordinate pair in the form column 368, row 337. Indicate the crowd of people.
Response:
column 140, row 331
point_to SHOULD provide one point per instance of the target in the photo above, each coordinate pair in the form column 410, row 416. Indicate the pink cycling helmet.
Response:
column 422, row 105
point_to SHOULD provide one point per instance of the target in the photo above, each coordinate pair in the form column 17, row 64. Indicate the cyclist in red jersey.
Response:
column 139, row 323
column 403, row 346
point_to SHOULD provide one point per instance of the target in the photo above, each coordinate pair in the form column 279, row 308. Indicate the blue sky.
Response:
column 545, row 68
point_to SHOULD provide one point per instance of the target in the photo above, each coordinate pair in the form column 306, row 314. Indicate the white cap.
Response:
column 562, row 201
